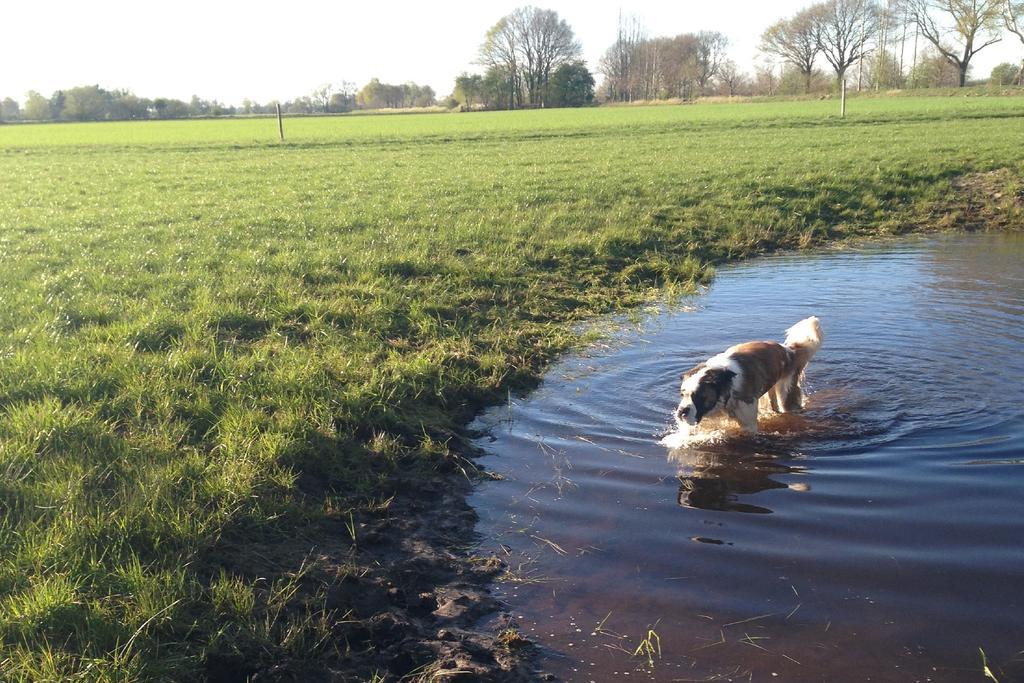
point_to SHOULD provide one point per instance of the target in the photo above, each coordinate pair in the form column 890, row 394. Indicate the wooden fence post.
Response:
column 280, row 124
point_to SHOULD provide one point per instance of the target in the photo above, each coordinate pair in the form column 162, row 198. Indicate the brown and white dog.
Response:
column 733, row 382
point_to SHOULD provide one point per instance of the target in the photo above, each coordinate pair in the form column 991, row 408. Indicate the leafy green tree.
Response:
column 499, row 89
column 933, row 70
column 86, row 103
column 340, row 103
column 344, row 98
column 124, row 105
column 793, row 81
column 166, row 108
column 37, row 107
column 197, row 106
column 708, row 57
column 9, row 110
column 371, row 95
column 300, row 105
column 377, row 95
column 1004, row 74
column 468, row 88
column 423, row 96
column 571, row 85
column 883, row 70
column 57, row 105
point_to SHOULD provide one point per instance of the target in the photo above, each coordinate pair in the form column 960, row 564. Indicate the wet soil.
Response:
column 408, row 600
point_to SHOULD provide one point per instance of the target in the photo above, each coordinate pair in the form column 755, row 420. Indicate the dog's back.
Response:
column 762, row 364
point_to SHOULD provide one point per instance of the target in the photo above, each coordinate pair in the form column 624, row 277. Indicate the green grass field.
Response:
column 210, row 340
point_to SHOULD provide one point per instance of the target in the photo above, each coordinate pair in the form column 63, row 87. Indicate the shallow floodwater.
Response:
column 877, row 536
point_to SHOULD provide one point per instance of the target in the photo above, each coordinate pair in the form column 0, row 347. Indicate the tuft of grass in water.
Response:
column 211, row 342
column 649, row 647
column 985, row 668
column 511, row 638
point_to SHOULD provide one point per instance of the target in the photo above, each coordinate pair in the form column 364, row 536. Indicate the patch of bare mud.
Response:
column 985, row 200
column 406, row 600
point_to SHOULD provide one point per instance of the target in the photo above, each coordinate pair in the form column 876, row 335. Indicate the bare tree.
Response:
column 841, row 27
column 1013, row 18
column 971, row 20
column 795, row 41
column 551, row 43
column 730, row 78
column 711, row 47
column 499, row 53
column 765, row 80
column 322, row 97
column 620, row 61
column 677, row 71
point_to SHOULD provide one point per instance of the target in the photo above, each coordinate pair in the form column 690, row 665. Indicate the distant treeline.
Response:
column 93, row 103
column 869, row 44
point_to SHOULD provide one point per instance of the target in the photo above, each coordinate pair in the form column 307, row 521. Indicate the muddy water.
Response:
column 877, row 536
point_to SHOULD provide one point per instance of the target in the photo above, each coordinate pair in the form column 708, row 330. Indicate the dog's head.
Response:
column 703, row 389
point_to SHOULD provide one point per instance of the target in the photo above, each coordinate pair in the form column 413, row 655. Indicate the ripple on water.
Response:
column 866, row 534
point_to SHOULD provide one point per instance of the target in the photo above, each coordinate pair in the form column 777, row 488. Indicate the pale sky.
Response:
column 229, row 50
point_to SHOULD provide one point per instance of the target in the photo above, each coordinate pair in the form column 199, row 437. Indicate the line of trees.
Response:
column 569, row 85
column 93, row 103
column 895, row 44
column 377, row 95
column 638, row 67
column 868, row 43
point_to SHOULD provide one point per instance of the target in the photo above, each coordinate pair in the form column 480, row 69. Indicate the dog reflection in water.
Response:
column 715, row 479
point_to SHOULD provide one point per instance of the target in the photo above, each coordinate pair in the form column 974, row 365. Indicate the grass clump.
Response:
column 212, row 343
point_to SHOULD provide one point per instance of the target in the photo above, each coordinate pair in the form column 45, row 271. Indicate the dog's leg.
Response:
column 746, row 415
column 793, row 401
column 779, row 392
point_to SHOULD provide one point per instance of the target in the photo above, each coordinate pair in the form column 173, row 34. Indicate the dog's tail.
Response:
column 806, row 336
column 804, row 339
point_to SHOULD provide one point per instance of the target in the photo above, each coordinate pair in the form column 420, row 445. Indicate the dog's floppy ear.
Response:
column 720, row 378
